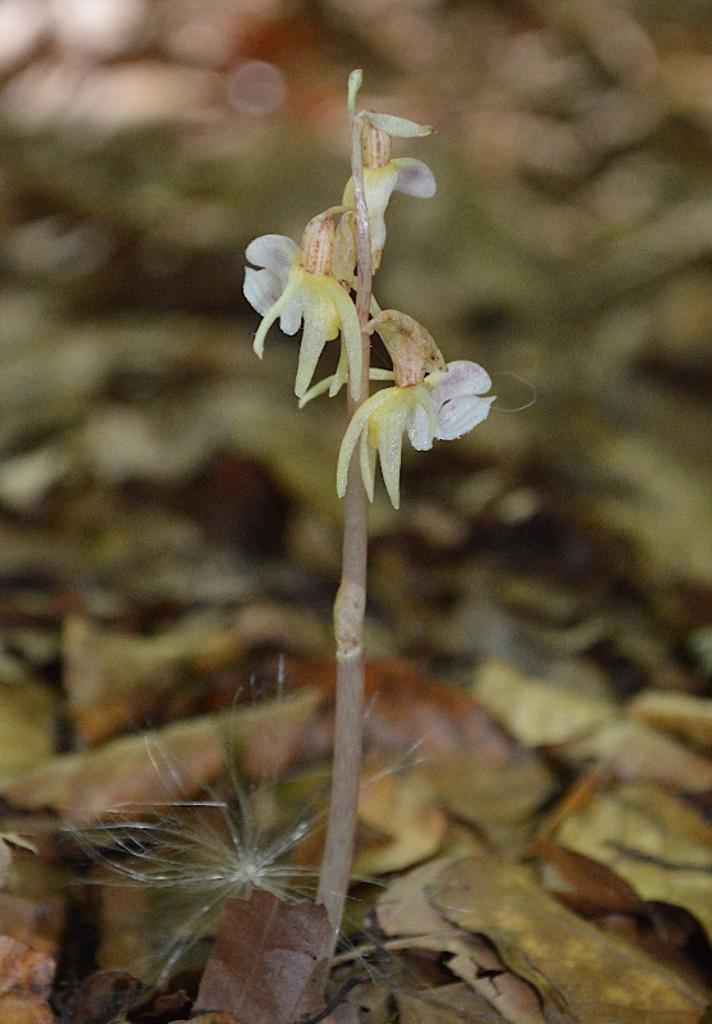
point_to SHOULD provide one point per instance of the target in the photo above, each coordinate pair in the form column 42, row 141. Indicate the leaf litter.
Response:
column 536, row 845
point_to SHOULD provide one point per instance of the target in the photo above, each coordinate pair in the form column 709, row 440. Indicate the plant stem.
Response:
column 349, row 610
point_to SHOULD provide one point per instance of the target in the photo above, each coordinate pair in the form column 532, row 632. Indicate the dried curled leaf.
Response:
column 578, row 971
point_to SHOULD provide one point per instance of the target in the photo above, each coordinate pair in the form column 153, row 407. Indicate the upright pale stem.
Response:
column 349, row 610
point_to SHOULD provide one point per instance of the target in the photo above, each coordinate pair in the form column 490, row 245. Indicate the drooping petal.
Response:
column 357, row 423
column 350, row 334
column 415, row 178
column 389, row 427
column 367, row 460
column 317, row 389
column 268, row 319
column 399, row 127
column 291, row 317
column 342, row 372
column 318, row 316
column 262, row 288
column 459, row 415
column 336, row 381
column 461, row 377
column 275, row 252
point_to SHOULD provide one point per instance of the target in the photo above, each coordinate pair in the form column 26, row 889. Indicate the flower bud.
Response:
column 318, row 245
column 375, row 146
column 411, row 347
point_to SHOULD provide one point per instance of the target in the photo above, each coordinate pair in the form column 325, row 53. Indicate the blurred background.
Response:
column 158, row 482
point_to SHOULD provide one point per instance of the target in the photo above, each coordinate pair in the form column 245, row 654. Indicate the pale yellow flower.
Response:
column 384, row 175
column 285, row 288
column 443, row 407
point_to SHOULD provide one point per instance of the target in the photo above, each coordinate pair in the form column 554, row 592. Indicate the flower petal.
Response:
column 459, row 415
column 275, row 252
column 390, row 424
column 318, row 315
column 342, row 372
column 367, row 459
column 350, row 335
column 357, row 423
column 415, row 178
column 291, row 317
column 461, row 377
column 420, row 430
column 317, row 389
column 399, row 127
column 262, row 288
column 379, row 183
column 268, row 319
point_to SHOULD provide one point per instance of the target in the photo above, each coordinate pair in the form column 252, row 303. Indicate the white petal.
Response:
column 262, row 288
column 461, row 377
column 276, row 252
column 400, row 127
column 459, row 415
column 420, row 430
column 415, row 178
column 291, row 317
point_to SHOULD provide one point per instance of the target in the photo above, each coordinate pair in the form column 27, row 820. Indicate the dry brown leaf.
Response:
column 576, row 969
column 5, row 862
column 449, row 1004
column 590, row 888
column 25, row 984
column 589, row 879
column 114, row 680
column 401, row 807
column 127, row 771
column 515, row 999
column 536, row 712
column 166, row 764
column 106, row 996
column 211, row 1018
column 680, row 713
column 404, row 908
column 27, row 725
column 269, row 963
column 582, row 728
column 499, row 797
column 650, row 838
column 634, row 752
column 127, row 936
column 407, row 706
column 36, row 922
